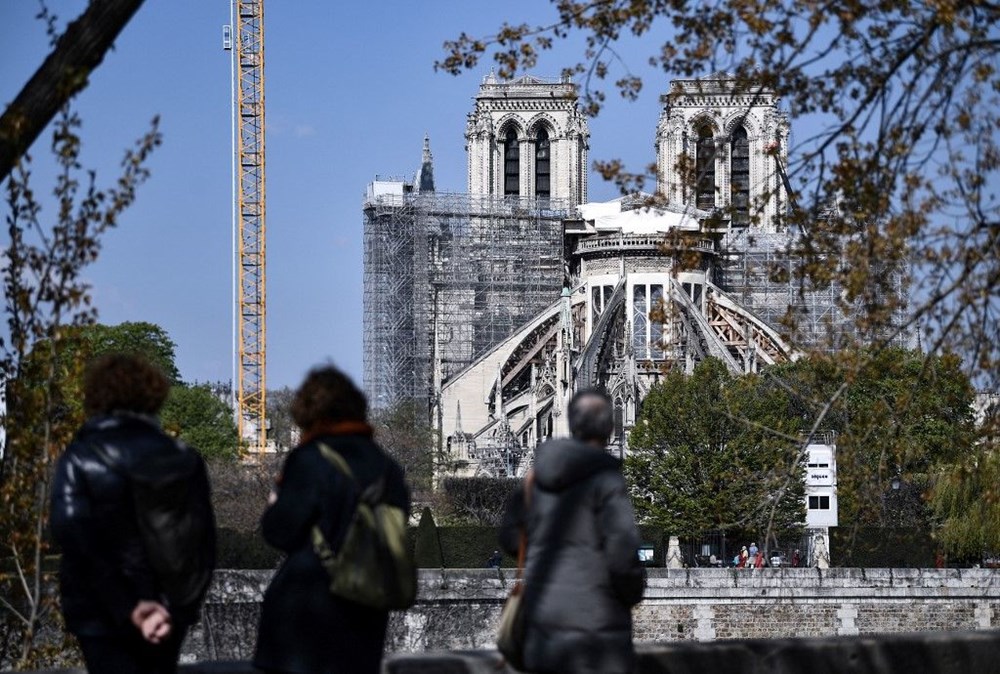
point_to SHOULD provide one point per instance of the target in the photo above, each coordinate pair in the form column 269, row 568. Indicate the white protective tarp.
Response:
column 608, row 216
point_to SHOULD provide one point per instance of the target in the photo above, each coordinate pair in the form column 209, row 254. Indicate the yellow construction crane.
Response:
column 250, row 234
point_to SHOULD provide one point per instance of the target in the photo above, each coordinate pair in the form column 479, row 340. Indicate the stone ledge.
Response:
column 966, row 652
column 930, row 653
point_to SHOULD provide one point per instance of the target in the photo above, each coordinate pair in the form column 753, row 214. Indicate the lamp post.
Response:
column 902, row 505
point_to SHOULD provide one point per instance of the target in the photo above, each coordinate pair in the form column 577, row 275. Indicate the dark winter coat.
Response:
column 104, row 570
column 304, row 628
column 582, row 572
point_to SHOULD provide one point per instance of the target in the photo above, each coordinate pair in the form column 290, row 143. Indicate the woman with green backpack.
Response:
column 318, row 616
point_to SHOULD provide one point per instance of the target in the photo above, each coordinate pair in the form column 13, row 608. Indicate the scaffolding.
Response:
column 763, row 273
column 448, row 277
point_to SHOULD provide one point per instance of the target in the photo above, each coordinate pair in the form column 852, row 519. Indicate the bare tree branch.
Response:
column 62, row 75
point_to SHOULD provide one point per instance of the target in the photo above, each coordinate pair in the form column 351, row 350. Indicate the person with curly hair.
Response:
column 113, row 600
column 303, row 626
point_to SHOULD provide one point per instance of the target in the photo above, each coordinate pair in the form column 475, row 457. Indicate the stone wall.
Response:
column 459, row 608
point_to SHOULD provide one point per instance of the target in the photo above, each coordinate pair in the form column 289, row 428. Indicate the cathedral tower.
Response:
column 720, row 145
column 528, row 138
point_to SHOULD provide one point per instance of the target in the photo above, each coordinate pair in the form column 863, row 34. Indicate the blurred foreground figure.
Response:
column 304, row 626
column 132, row 514
column 582, row 571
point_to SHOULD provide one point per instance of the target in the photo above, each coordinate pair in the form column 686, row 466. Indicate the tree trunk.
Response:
column 64, row 73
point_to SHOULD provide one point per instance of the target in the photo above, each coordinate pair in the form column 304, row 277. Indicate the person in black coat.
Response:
column 303, row 627
column 112, row 600
column 582, row 572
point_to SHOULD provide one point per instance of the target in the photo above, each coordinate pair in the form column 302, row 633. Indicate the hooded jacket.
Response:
column 582, row 572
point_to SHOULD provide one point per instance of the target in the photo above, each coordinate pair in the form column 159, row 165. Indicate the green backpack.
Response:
column 374, row 565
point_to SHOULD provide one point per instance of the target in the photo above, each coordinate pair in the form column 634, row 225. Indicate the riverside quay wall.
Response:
column 459, row 608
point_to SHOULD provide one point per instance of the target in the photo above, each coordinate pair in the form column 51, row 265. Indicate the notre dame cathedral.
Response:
column 488, row 309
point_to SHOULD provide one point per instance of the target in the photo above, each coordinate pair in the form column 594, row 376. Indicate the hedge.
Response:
column 470, row 546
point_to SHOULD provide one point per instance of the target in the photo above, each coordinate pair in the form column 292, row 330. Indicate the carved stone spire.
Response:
column 425, row 176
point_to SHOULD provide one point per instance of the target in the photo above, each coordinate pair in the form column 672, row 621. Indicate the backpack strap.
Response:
column 522, row 548
column 334, row 457
column 371, row 494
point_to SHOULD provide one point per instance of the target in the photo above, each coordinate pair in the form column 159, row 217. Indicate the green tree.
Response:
column 716, row 451
column 145, row 339
column 195, row 413
column 200, row 418
column 898, row 414
column 906, row 415
column 710, row 451
column 80, row 344
column 966, row 496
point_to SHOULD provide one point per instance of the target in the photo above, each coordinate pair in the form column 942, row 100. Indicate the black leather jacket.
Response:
column 104, row 571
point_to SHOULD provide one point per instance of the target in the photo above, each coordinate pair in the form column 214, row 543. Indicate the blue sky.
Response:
column 350, row 93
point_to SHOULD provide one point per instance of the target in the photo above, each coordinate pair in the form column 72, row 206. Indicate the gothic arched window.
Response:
column 542, row 164
column 739, row 175
column 656, row 304
column 705, row 168
column 640, row 322
column 511, row 164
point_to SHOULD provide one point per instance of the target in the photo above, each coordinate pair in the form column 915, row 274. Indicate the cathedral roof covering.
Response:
column 619, row 216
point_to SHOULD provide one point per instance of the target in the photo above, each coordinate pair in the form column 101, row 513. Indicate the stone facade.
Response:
column 459, row 608
column 722, row 105
column 526, row 106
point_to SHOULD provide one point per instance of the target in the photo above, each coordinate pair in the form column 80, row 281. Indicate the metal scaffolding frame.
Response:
column 448, row 277
column 757, row 270
column 762, row 272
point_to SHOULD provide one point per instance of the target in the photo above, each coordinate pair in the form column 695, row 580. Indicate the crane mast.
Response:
column 251, row 304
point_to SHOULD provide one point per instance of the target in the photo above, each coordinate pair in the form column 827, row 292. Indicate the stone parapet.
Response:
column 458, row 609
column 927, row 653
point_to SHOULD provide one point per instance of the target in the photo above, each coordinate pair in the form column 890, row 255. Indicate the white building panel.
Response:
column 821, row 486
